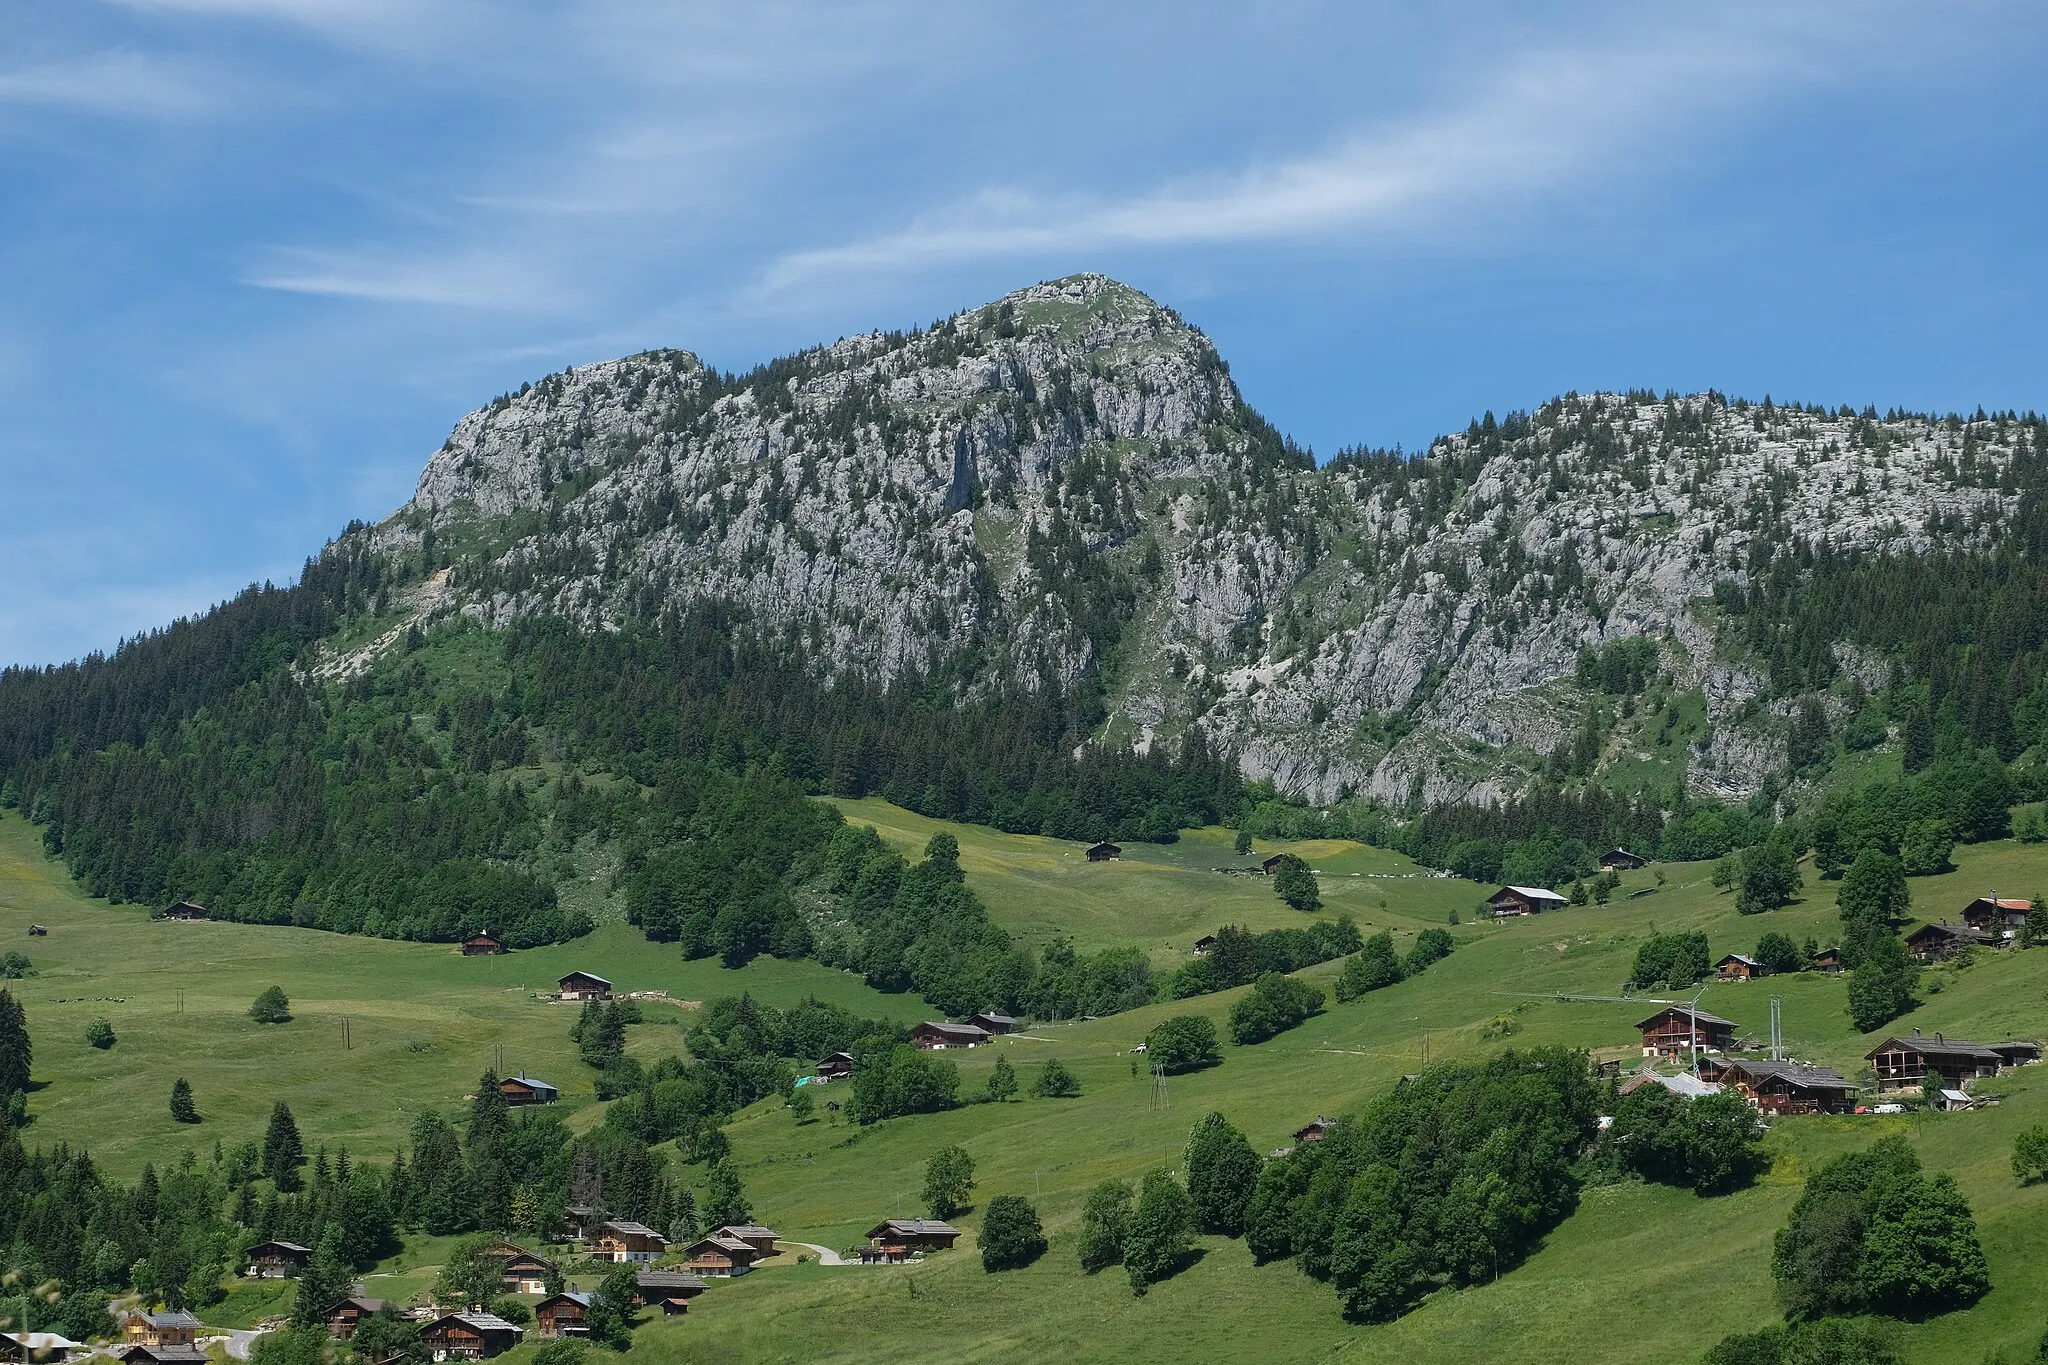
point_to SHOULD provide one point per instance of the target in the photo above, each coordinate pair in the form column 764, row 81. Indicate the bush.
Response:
column 1881, row 987
column 1011, row 1237
column 1055, row 1081
column 1431, row 945
column 1370, row 968
column 1002, row 1082
column 1274, row 1005
column 1186, row 1042
column 1831, row 1341
column 14, row 966
column 2030, row 1154
column 1104, row 1219
column 1161, row 1228
column 560, row 1351
column 271, row 1007
column 100, row 1033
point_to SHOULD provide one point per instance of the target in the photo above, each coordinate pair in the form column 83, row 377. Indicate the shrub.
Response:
column 1055, row 1081
column 14, row 966
column 1104, row 1219
column 1157, row 1239
column 1831, row 1341
column 1274, row 1005
column 1881, row 987
column 271, row 1007
column 1011, row 1236
column 1186, row 1042
column 560, row 1351
column 2030, row 1154
column 100, row 1033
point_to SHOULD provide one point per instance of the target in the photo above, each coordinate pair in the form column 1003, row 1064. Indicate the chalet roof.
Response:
column 995, row 1018
column 670, row 1279
column 1743, row 958
column 913, row 1227
column 1946, row 930
column 2004, row 903
column 2017, row 1047
column 42, row 1341
column 1691, row 1087
column 586, row 976
column 747, row 1230
column 1105, row 844
column 171, row 1318
column 482, row 1322
column 627, row 1228
column 1206, row 938
column 572, row 1295
column 835, row 1057
column 1698, row 1015
column 959, row 1030
column 536, row 1082
column 1937, row 1046
column 1533, row 893
column 366, row 1305
column 165, row 1355
column 279, row 1246
column 1797, row 1074
column 1623, row 853
column 722, row 1242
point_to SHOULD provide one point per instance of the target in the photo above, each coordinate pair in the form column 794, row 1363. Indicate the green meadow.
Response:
column 1639, row 1273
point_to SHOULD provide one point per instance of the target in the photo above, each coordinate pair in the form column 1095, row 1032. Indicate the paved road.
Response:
column 238, row 1342
column 826, row 1255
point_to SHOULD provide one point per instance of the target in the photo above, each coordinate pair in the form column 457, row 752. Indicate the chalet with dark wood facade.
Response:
column 1788, row 1087
column 343, row 1318
column 992, row 1023
column 761, row 1239
column 623, row 1240
column 1679, row 1030
column 562, row 1315
column 2000, row 916
column 898, row 1239
column 668, row 1290
column 141, row 1353
column 482, row 945
column 1828, row 960
column 468, row 1336
column 1737, row 967
column 934, row 1036
column 1621, row 860
column 584, row 986
column 522, row 1090
column 1903, row 1063
column 1104, row 852
column 837, row 1067
column 1511, row 901
column 1933, row 942
column 277, row 1260
column 721, row 1256
column 1315, row 1130
column 1204, row 944
column 187, row 911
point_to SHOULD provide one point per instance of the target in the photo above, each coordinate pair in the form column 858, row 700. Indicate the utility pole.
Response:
column 1777, row 1029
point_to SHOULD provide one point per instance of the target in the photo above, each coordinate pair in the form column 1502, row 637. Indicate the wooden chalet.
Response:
column 584, row 986
column 2016, row 1053
column 1828, row 960
column 2003, row 916
column 669, row 1290
column 171, row 1328
column 581, row 1220
column 761, row 1239
column 1315, row 1130
column 623, row 1240
column 468, row 1336
column 1738, row 967
column 991, row 1023
column 837, row 1067
column 1204, row 945
column 1270, row 865
column 526, row 1273
column 562, row 1315
column 934, row 1036
column 1510, row 901
column 277, row 1260
column 1788, row 1087
column 522, row 1090
column 187, row 911
column 142, row 1353
column 721, row 1256
column 482, row 945
column 1104, row 852
column 32, row 1348
column 898, row 1239
column 1621, row 860
column 1904, row 1063
column 1679, row 1030
column 1933, row 942
column 343, row 1318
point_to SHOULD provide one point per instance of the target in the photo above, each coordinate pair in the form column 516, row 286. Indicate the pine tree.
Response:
column 283, row 1151
column 182, row 1108
column 15, row 1049
column 489, row 1115
column 323, row 1283
column 1222, row 1171
column 725, row 1198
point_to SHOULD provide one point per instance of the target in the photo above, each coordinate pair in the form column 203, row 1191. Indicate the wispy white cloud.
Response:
column 482, row 279
column 115, row 82
column 1539, row 124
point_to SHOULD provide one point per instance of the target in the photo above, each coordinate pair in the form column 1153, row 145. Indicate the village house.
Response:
column 1788, row 1087
column 837, row 1067
column 1510, row 901
column 525, row 1273
column 585, row 986
column 934, row 1036
column 1903, row 1063
column 344, row 1316
column 1621, row 860
column 481, row 945
column 1315, row 1130
column 277, row 1260
column 669, row 1290
column 1933, row 942
column 1270, row 865
column 581, row 1219
column 171, row 1328
column 141, row 1353
column 1737, row 967
column 34, row 1348
column 187, row 911
column 468, row 1336
column 562, row 1315
column 2000, row 916
column 991, row 1023
column 898, row 1239
column 1104, row 852
column 1204, row 944
column 621, row 1240
column 761, row 1239
column 1828, row 960
column 1680, row 1030
column 721, row 1256
column 2016, row 1053
column 522, row 1090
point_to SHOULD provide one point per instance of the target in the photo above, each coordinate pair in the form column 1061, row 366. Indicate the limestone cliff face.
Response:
column 1066, row 485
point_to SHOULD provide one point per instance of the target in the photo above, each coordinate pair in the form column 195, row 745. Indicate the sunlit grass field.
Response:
column 1638, row 1274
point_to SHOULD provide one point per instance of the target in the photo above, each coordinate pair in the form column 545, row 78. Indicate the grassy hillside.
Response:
column 1638, row 1274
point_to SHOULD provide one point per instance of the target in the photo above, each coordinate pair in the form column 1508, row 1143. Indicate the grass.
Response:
column 1638, row 1274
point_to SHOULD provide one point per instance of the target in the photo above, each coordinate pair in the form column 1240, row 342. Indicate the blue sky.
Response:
column 257, row 256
